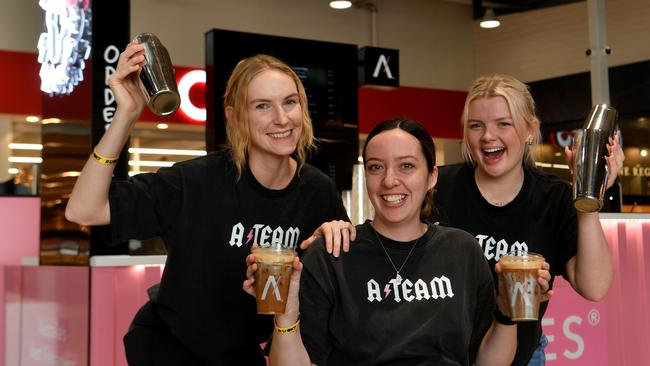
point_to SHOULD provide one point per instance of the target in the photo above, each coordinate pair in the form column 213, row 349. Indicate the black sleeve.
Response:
column 567, row 231
column 485, row 306
column 145, row 205
column 316, row 299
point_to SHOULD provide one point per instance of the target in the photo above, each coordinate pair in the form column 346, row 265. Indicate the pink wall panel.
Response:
column 54, row 317
column 616, row 329
column 19, row 237
column 113, row 310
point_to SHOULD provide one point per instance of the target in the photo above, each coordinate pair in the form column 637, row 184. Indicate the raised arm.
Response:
column 591, row 270
column 88, row 204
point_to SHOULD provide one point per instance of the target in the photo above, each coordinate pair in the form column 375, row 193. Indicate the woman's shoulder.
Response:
column 547, row 181
column 311, row 173
column 450, row 175
column 452, row 170
column 454, row 234
column 211, row 163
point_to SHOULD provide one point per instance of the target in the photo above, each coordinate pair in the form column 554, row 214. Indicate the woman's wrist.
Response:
column 286, row 320
column 502, row 318
column 292, row 328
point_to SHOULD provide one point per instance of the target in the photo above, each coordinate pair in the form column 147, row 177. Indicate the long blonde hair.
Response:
column 236, row 96
column 520, row 103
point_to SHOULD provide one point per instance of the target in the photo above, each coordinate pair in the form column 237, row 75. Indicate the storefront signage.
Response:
column 185, row 84
column 378, row 66
column 562, row 138
column 64, row 45
column 635, row 171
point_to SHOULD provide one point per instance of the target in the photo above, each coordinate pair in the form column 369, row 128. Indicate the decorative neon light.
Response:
column 64, row 45
column 184, row 85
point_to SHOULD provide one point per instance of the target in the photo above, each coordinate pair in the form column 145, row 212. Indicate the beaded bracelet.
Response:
column 103, row 160
column 502, row 319
column 289, row 329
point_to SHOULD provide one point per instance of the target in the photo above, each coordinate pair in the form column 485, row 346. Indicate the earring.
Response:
column 529, row 141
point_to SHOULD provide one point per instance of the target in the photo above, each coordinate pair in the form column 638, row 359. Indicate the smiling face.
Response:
column 397, row 178
column 274, row 115
column 495, row 140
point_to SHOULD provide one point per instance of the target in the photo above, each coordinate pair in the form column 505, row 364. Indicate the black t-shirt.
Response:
column 540, row 219
column 352, row 314
column 208, row 220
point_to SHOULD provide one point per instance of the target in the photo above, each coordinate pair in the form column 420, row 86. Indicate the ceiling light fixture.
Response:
column 340, row 4
column 25, row 159
column 19, row 146
column 490, row 19
column 644, row 153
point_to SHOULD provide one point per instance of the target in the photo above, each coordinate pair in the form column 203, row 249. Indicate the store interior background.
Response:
column 441, row 47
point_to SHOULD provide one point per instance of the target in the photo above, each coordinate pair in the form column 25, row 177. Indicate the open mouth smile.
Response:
column 393, row 198
column 279, row 135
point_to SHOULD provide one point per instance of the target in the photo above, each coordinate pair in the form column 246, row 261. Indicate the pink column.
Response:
column 615, row 331
column 19, row 237
column 627, row 300
column 116, row 295
column 54, row 316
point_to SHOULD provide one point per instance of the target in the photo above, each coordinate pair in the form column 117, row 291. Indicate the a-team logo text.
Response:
column 493, row 248
column 264, row 236
column 438, row 288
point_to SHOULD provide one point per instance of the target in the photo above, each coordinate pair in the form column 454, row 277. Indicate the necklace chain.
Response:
column 398, row 277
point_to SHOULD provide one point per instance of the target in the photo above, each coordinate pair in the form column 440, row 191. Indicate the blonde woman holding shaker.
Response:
column 407, row 292
column 210, row 210
column 500, row 197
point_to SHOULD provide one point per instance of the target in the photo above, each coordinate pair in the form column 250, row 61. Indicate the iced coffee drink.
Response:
column 520, row 273
column 274, row 268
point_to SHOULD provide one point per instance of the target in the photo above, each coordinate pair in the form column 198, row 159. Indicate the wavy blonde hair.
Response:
column 236, row 96
column 520, row 103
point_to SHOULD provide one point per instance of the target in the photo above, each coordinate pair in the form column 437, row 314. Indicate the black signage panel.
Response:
column 378, row 66
column 111, row 33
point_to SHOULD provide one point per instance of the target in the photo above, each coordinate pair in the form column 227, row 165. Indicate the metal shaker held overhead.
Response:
column 157, row 77
column 590, row 167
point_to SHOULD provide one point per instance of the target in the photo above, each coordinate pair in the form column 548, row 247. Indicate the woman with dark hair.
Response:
column 210, row 210
column 407, row 292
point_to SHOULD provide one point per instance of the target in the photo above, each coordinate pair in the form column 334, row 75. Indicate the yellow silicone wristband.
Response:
column 289, row 329
column 103, row 160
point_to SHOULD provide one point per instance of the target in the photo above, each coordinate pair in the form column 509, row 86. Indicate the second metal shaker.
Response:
column 590, row 167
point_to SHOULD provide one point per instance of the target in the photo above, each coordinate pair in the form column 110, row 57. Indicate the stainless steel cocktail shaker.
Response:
column 590, row 168
column 157, row 76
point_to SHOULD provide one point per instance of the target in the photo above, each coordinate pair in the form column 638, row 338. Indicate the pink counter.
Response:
column 20, row 229
column 615, row 331
column 59, row 306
